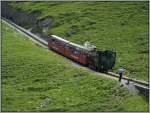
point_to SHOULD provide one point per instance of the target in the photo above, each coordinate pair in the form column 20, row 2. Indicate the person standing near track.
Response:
column 120, row 72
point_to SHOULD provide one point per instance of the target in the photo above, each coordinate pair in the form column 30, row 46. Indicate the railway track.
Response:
column 141, row 85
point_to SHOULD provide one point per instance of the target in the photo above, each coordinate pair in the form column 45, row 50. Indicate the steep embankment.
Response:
column 119, row 26
column 36, row 79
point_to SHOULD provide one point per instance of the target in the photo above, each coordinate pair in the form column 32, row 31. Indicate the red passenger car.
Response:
column 77, row 53
column 57, row 44
column 73, row 51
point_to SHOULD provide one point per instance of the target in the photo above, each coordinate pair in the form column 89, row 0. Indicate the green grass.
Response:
column 36, row 79
column 118, row 26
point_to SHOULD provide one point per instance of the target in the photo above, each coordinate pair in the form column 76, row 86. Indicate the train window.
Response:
column 56, row 42
column 62, row 44
column 66, row 47
column 53, row 40
column 72, row 49
column 76, row 52
column 77, row 48
column 50, row 39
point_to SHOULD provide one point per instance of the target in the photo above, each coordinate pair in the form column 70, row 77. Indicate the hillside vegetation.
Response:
column 118, row 26
column 36, row 79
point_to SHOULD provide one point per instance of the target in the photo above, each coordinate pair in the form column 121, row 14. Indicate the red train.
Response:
column 86, row 55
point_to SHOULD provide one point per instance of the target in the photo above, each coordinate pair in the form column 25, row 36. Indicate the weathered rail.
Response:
column 130, row 79
column 28, row 33
column 142, row 85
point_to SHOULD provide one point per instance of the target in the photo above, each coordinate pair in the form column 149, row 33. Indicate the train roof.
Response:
column 70, row 43
column 66, row 41
column 83, row 47
column 79, row 46
column 59, row 38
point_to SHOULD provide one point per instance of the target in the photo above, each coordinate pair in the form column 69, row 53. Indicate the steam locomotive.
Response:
column 86, row 55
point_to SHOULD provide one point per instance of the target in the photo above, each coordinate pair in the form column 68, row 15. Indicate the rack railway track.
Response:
column 141, row 85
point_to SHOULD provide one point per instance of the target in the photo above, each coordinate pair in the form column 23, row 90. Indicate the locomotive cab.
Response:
column 106, row 60
column 102, row 60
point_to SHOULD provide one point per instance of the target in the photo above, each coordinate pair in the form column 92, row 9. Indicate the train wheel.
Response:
column 91, row 67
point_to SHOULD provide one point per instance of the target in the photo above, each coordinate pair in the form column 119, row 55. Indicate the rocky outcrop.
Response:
column 27, row 20
column 46, row 22
column 42, row 26
column 20, row 17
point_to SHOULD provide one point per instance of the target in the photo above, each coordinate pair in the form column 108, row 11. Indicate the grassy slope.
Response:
column 32, row 75
column 119, row 26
